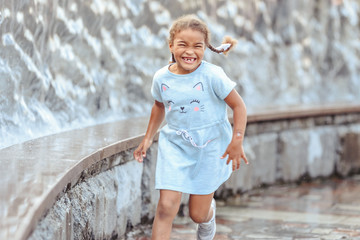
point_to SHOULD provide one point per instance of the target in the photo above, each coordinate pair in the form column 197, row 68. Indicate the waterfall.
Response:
column 69, row 64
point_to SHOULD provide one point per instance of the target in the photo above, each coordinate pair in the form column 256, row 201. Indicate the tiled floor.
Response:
column 318, row 210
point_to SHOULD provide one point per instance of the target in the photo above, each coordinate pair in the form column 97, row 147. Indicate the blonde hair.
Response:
column 193, row 22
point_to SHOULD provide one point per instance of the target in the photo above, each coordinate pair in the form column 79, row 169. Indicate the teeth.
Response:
column 189, row 60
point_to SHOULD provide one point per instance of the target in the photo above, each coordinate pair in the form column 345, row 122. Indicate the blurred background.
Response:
column 67, row 64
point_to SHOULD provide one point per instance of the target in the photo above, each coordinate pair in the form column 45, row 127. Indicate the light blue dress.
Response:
column 197, row 132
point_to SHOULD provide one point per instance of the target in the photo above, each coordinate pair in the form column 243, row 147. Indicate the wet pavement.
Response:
column 322, row 209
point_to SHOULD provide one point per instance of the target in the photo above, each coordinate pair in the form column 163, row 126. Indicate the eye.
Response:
column 169, row 104
column 195, row 101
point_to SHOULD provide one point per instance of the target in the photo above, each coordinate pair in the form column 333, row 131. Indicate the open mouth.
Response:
column 189, row 60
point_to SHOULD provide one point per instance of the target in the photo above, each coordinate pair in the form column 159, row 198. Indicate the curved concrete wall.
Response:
column 285, row 149
column 110, row 197
column 90, row 187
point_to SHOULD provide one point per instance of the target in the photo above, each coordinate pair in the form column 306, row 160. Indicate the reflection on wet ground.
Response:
column 323, row 209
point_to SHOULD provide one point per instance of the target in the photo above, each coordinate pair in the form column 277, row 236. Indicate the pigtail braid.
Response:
column 172, row 60
column 221, row 49
column 214, row 49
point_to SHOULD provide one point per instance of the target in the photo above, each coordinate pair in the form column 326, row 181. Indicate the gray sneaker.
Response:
column 206, row 231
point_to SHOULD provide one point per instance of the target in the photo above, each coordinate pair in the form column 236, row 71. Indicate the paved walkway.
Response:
column 318, row 210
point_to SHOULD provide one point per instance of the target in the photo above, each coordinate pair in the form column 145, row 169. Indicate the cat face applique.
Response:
column 191, row 105
column 185, row 105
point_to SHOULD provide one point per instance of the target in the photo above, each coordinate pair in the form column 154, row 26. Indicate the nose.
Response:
column 182, row 108
column 189, row 50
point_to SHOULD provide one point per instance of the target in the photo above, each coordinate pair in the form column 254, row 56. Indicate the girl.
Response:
column 197, row 144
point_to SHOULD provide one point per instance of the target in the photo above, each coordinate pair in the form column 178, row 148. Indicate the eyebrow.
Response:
column 182, row 41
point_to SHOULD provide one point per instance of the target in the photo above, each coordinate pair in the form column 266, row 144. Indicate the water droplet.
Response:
column 1, row 16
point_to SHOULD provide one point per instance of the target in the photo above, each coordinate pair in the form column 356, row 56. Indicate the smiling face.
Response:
column 188, row 48
column 192, row 104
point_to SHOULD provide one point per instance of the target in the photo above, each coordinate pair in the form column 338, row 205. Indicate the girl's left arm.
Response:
column 235, row 150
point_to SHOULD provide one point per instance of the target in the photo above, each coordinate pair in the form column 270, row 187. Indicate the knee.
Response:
column 198, row 216
column 167, row 209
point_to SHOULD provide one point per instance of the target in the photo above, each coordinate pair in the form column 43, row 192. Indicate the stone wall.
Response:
column 118, row 193
column 296, row 150
column 109, row 198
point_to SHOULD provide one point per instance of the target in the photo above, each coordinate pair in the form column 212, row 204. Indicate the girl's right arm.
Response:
column 156, row 118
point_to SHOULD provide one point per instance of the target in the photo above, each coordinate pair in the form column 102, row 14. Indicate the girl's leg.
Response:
column 202, row 211
column 166, row 211
column 199, row 207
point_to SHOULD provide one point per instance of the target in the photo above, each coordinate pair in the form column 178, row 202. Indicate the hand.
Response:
column 140, row 151
column 235, row 151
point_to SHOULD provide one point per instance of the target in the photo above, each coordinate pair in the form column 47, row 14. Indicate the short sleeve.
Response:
column 155, row 90
column 222, row 84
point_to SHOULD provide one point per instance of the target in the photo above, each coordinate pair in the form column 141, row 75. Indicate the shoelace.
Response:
column 187, row 137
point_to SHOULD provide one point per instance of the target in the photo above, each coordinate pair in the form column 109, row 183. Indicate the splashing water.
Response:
column 66, row 65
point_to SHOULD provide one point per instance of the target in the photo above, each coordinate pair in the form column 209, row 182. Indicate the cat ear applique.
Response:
column 199, row 86
column 164, row 87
